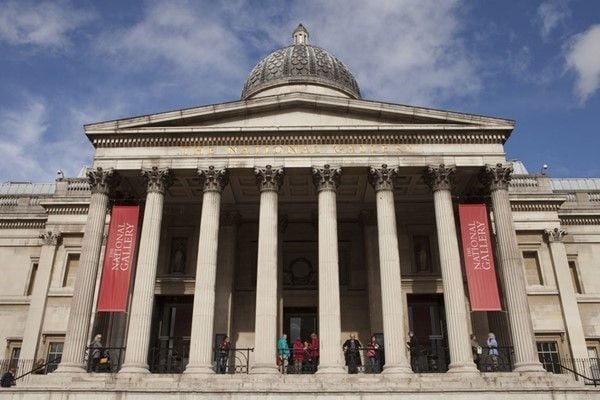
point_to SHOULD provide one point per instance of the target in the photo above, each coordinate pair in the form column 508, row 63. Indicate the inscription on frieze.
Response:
column 296, row 150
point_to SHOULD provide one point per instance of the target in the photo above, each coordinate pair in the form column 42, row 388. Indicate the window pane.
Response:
column 549, row 357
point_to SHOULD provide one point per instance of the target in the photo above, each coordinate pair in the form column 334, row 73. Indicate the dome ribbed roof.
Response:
column 300, row 63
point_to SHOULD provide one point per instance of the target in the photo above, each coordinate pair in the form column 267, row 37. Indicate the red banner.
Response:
column 118, row 259
column 479, row 259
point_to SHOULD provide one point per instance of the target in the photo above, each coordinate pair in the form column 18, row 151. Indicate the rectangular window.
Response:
column 15, row 353
column 531, row 263
column 34, row 268
column 574, row 276
column 71, row 269
column 549, row 357
column 55, row 350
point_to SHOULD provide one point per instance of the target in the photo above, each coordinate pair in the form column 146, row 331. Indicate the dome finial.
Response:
column 300, row 35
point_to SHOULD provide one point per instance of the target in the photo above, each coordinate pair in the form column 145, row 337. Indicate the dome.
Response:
column 300, row 63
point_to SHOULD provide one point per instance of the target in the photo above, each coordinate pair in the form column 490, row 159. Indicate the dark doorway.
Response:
column 428, row 323
column 300, row 322
column 171, row 332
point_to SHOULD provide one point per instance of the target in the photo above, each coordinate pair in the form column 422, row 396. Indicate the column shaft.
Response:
column 265, row 331
column 461, row 358
column 226, row 272
column 83, row 293
column 39, row 296
column 568, row 298
column 329, row 286
column 142, row 302
column 396, row 361
column 513, row 279
column 373, row 277
column 204, row 294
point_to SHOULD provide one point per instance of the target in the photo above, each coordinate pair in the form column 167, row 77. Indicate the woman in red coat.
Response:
column 298, row 351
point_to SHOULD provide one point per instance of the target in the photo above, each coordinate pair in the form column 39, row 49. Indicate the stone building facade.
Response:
column 301, row 208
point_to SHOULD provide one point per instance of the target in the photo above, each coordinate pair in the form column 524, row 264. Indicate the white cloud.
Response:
column 46, row 24
column 550, row 14
column 398, row 50
column 583, row 57
column 407, row 51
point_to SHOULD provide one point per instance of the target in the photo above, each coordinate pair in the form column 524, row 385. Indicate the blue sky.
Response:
column 66, row 63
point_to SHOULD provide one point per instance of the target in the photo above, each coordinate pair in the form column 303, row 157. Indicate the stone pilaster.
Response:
column 100, row 181
column 37, row 305
column 369, row 226
column 201, row 343
column 511, row 270
column 326, row 180
column 226, row 271
column 396, row 361
column 269, row 182
column 142, row 301
column 568, row 298
column 440, row 180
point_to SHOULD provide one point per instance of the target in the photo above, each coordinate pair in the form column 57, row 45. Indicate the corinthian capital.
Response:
column 213, row 179
column 50, row 238
column 497, row 176
column 555, row 235
column 382, row 178
column 440, row 177
column 102, row 180
column 326, row 178
column 159, row 179
column 269, row 178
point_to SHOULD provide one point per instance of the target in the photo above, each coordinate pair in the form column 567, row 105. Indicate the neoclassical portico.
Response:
column 301, row 143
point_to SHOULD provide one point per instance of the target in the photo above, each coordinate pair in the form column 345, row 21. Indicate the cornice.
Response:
column 22, row 224
column 67, row 209
column 579, row 219
column 548, row 205
column 190, row 136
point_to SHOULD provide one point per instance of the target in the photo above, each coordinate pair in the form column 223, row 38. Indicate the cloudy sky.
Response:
column 66, row 63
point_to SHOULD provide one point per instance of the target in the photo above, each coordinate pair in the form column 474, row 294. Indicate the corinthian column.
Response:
column 511, row 270
column 396, row 361
column 440, row 179
column 326, row 180
column 568, row 299
column 83, row 293
column 269, row 182
column 203, row 316
column 39, row 295
column 140, row 319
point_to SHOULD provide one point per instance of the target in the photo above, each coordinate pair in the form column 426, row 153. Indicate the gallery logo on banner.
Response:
column 479, row 259
column 118, row 259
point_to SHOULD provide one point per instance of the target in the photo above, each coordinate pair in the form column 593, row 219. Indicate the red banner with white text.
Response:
column 479, row 259
column 118, row 259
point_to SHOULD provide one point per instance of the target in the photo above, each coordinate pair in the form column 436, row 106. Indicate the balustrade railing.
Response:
column 104, row 359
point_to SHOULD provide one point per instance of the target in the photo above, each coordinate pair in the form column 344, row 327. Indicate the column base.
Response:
column 463, row 368
column 134, row 369
column 70, row 368
column 530, row 367
column 265, row 369
column 398, row 370
column 331, row 369
column 199, row 370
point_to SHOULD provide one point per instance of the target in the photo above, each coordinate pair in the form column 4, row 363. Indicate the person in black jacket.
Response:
column 8, row 379
column 352, row 354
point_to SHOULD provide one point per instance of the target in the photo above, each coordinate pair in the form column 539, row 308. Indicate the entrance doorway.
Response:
column 427, row 321
column 300, row 322
column 171, row 332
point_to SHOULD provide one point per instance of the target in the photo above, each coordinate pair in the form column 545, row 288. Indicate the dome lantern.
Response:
column 300, row 35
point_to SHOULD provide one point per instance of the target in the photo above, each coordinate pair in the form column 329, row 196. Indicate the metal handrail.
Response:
column 595, row 381
column 38, row 368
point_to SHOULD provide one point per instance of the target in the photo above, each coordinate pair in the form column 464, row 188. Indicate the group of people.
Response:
column 492, row 352
column 352, row 348
column 304, row 354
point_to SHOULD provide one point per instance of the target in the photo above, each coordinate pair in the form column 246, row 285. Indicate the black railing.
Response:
column 104, row 359
column 432, row 357
column 497, row 359
column 586, row 370
column 234, row 361
column 168, row 360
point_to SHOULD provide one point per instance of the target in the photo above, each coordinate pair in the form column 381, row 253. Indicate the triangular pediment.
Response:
column 301, row 111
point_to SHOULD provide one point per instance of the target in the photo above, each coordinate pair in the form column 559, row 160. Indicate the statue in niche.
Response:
column 178, row 255
column 422, row 253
